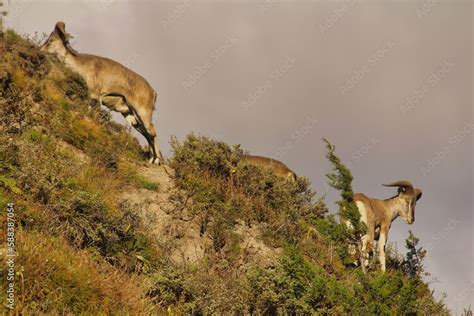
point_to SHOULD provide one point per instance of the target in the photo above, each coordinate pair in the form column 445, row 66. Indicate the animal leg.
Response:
column 146, row 128
column 117, row 103
column 150, row 138
column 367, row 247
column 157, row 156
column 113, row 102
column 365, row 255
column 381, row 248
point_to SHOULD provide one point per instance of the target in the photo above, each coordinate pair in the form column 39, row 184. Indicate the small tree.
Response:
column 341, row 180
column 413, row 262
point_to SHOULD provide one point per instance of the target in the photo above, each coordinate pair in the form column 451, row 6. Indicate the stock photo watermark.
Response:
column 453, row 142
column 15, row 10
column 431, row 82
column 10, row 256
column 202, row 69
column 363, row 150
column 275, row 75
column 442, row 234
column 131, row 59
column 106, row 4
column 267, row 5
column 373, row 60
column 426, row 8
column 336, row 15
column 175, row 14
column 465, row 293
column 297, row 136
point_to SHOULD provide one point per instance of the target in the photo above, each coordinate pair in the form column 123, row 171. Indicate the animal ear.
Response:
column 418, row 193
column 60, row 28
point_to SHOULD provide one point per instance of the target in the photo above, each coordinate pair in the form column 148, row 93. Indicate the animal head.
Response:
column 58, row 42
column 278, row 167
column 408, row 195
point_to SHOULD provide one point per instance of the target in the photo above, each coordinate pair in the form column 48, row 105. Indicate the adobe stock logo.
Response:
column 277, row 74
column 453, row 142
column 430, row 83
column 373, row 60
column 212, row 59
column 175, row 14
column 336, row 15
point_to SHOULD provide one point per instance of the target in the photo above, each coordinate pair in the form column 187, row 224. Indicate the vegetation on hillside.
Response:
column 63, row 163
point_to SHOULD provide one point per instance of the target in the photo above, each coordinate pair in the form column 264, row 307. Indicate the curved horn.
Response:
column 61, row 28
column 402, row 183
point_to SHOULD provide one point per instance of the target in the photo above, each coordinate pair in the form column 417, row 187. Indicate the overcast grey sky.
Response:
column 389, row 83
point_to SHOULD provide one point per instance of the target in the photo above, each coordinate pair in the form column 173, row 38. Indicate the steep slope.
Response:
column 99, row 231
column 174, row 224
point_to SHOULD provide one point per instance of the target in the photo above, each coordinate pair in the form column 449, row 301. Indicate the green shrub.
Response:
column 342, row 181
column 296, row 287
column 224, row 191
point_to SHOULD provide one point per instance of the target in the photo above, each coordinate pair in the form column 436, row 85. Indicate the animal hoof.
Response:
column 154, row 160
column 131, row 120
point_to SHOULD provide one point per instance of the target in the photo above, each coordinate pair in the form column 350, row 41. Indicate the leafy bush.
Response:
column 413, row 263
column 224, row 191
column 296, row 287
column 348, row 211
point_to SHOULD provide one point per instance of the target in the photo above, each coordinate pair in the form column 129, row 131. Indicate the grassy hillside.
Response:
column 101, row 232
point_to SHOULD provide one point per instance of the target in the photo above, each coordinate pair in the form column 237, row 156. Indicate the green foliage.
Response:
column 73, row 86
column 135, row 178
column 204, row 155
column 296, row 287
column 413, row 262
column 36, row 136
column 338, row 235
column 170, row 287
column 342, row 181
column 9, row 184
column 224, row 191
column 146, row 184
column 91, row 225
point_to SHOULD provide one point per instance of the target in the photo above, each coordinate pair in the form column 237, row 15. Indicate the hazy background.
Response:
column 346, row 71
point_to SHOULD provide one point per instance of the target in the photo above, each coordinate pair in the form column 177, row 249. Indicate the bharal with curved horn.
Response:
column 378, row 215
